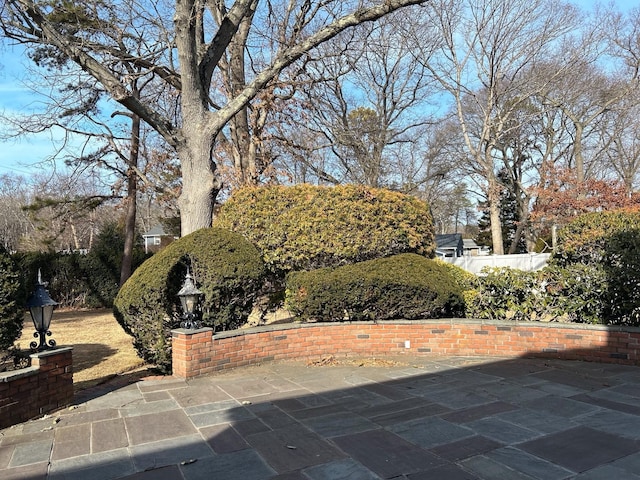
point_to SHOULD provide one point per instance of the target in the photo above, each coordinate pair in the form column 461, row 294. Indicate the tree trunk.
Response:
column 200, row 181
column 493, row 199
column 132, row 196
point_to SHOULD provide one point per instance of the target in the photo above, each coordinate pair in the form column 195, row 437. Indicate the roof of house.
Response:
column 156, row 231
column 449, row 241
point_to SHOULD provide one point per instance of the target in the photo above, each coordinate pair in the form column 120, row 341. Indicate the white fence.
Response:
column 523, row 261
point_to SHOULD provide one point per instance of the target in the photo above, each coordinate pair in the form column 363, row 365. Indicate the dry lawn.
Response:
column 101, row 348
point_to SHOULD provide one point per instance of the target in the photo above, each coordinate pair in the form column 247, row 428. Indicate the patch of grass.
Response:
column 101, row 348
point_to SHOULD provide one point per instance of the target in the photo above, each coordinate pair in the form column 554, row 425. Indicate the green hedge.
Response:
column 304, row 227
column 12, row 302
column 406, row 286
column 608, row 241
column 576, row 293
column 227, row 269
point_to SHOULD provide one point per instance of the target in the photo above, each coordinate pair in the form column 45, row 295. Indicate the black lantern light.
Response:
column 189, row 298
column 41, row 308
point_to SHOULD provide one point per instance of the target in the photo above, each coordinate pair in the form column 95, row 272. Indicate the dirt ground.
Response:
column 101, row 348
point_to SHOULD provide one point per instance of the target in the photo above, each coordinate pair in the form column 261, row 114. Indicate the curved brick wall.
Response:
column 197, row 352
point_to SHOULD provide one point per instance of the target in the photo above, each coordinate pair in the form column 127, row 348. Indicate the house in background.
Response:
column 449, row 245
column 157, row 238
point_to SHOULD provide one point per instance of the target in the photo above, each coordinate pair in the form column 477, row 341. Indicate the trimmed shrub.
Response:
column 406, row 286
column 227, row 269
column 12, row 302
column 609, row 241
column 304, row 227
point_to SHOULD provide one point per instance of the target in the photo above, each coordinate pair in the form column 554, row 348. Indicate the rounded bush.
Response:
column 304, row 227
column 226, row 268
column 405, row 286
column 12, row 302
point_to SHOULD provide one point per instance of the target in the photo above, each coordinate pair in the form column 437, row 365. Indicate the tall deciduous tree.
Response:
column 485, row 47
column 192, row 54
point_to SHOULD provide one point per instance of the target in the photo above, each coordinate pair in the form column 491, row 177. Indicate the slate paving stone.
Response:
column 630, row 463
column 172, row 472
column 614, row 422
column 223, row 439
column 5, row 456
column 386, row 454
column 579, row 380
column 615, row 396
column 244, row 465
column 315, row 411
column 580, row 448
column 562, row 407
column 217, row 417
column 145, row 408
column 431, row 432
column 148, row 386
column 526, row 463
column 507, row 369
column 559, row 390
column 394, row 406
column 445, row 472
column 488, row 469
column 337, row 424
column 249, row 427
column 72, row 417
column 33, row 452
column 275, row 418
column 541, row 422
column 292, row 448
column 38, row 471
column 108, row 435
column 290, row 476
column 510, row 393
column 344, row 469
column 402, row 416
column 388, row 392
column 465, row 448
column 607, row 472
column 101, row 466
column 158, row 426
column 502, row 431
column 475, row 413
column 189, row 397
column 633, row 409
column 458, row 398
column 170, row 452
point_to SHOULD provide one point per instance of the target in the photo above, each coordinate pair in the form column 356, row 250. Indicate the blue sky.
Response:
column 25, row 156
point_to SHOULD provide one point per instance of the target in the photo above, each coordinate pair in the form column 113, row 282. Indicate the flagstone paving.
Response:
column 416, row 419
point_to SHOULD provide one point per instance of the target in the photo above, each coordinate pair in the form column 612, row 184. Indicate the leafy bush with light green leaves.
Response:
column 304, row 227
column 576, row 293
column 227, row 269
column 405, row 286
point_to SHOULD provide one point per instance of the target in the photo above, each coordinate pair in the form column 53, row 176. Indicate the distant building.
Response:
column 449, row 245
column 156, row 238
column 452, row 245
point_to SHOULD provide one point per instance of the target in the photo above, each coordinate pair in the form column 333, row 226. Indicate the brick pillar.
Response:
column 191, row 352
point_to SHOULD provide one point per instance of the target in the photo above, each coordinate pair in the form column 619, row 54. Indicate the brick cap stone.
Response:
column 51, row 352
column 190, row 331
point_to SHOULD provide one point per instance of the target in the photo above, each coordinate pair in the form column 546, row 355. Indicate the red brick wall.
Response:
column 42, row 388
column 199, row 352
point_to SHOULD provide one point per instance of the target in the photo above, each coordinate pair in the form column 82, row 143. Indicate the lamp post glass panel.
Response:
column 41, row 308
column 189, row 298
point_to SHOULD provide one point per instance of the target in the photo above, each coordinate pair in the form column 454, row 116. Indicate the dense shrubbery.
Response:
column 571, row 294
column 609, row 241
column 402, row 286
column 593, row 277
column 80, row 281
column 12, row 302
column 305, row 227
column 228, row 270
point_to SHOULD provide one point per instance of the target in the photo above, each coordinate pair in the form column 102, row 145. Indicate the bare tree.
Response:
column 485, row 47
column 192, row 54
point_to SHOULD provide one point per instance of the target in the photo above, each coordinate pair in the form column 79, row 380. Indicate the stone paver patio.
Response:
column 437, row 418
